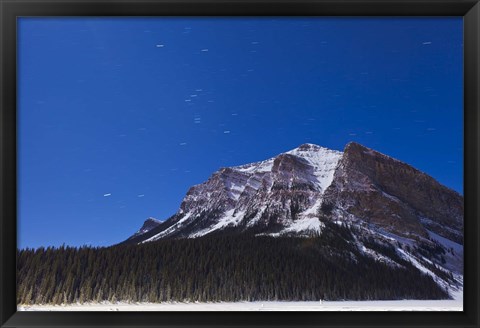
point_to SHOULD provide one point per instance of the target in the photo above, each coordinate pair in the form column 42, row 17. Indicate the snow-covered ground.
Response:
column 404, row 305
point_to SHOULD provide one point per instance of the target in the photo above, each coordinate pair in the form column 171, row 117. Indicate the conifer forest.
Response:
column 219, row 267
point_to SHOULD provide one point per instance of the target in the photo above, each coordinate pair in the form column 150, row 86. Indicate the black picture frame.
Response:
column 11, row 9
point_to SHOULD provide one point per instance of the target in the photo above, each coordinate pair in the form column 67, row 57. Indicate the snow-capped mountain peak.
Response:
column 272, row 195
column 301, row 192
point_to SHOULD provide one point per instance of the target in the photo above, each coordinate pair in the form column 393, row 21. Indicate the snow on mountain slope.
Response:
column 269, row 196
column 324, row 162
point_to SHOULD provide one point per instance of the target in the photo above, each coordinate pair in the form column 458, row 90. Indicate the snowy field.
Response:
column 404, row 305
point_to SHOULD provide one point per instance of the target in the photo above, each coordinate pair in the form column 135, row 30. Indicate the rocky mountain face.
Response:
column 276, row 196
column 148, row 225
column 297, row 192
column 394, row 196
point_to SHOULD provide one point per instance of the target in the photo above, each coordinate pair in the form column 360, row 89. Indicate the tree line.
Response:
column 218, row 267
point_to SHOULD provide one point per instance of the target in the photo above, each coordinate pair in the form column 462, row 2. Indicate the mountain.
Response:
column 148, row 225
column 285, row 194
column 394, row 212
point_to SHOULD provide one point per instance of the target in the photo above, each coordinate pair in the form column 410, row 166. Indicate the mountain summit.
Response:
column 291, row 193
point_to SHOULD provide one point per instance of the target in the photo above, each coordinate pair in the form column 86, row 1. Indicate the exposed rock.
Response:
column 395, row 196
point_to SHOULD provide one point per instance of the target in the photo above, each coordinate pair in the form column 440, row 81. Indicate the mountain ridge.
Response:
column 307, row 172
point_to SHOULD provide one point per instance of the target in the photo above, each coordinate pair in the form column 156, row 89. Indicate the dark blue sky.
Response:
column 119, row 117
